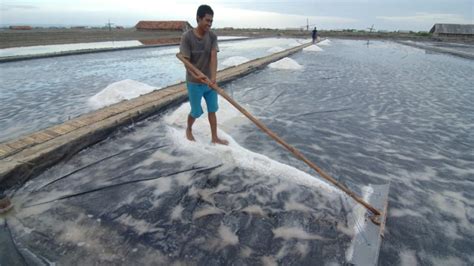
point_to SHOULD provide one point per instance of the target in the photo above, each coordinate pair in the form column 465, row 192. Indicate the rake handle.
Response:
column 296, row 153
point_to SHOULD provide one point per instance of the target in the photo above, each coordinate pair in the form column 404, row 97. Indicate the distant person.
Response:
column 199, row 46
column 315, row 35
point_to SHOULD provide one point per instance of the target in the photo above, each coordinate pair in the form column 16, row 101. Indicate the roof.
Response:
column 20, row 27
column 466, row 29
column 163, row 25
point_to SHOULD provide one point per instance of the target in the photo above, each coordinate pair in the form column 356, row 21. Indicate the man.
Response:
column 199, row 46
column 315, row 35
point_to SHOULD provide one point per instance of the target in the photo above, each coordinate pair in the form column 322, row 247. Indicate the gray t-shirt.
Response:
column 198, row 51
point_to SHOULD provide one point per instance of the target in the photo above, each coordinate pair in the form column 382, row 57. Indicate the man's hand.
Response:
column 213, row 81
column 203, row 78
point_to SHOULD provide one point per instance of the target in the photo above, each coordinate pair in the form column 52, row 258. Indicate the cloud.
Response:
column 430, row 18
column 8, row 7
column 264, row 19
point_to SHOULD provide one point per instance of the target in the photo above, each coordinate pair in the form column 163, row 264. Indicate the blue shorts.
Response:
column 195, row 93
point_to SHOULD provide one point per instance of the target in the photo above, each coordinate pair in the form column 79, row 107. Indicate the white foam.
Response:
column 234, row 61
column 395, row 212
column 254, row 209
column 116, row 92
column 177, row 212
column 326, row 42
column 312, row 48
column 293, row 205
column 408, row 257
column 286, row 63
column 139, row 226
column 206, row 211
column 288, row 233
column 227, row 236
column 269, row 261
column 275, row 49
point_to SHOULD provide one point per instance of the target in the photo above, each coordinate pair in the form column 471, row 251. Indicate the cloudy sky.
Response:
column 325, row 14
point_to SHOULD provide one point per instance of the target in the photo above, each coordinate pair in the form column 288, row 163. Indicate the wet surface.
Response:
column 39, row 93
column 58, row 48
column 386, row 112
column 466, row 48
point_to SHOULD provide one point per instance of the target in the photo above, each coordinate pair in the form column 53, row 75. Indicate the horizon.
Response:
column 104, row 26
column 384, row 15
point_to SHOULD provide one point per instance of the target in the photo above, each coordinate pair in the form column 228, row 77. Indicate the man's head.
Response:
column 204, row 17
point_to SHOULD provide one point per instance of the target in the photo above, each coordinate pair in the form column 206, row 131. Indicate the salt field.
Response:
column 59, row 48
column 58, row 89
column 366, row 114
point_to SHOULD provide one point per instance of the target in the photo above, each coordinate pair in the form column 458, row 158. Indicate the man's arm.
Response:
column 213, row 65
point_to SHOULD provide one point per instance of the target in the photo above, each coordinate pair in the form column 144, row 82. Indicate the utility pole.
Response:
column 307, row 25
column 109, row 25
column 370, row 31
column 371, row 28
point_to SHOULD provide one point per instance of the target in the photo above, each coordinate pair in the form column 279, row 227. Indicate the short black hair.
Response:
column 203, row 10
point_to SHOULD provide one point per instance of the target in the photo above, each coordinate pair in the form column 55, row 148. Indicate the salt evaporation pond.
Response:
column 39, row 93
column 364, row 114
column 60, row 48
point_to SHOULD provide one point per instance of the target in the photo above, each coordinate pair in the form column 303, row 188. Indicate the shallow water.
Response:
column 382, row 113
column 466, row 48
column 58, row 48
column 375, row 114
column 39, row 93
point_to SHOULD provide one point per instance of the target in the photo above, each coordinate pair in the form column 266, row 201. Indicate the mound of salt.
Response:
column 234, row 61
column 118, row 91
column 294, row 44
column 326, row 42
column 275, row 49
column 313, row 48
column 286, row 63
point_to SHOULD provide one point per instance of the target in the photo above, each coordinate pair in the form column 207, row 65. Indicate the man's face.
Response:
column 205, row 23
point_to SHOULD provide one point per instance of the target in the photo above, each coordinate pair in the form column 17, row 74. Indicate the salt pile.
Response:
column 294, row 44
column 286, row 63
column 326, row 42
column 235, row 60
column 116, row 92
column 168, row 51
column 313, row 48
column 275, row 49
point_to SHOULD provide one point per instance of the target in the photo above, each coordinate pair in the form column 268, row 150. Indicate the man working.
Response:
column 199, row 46
column 314, row 35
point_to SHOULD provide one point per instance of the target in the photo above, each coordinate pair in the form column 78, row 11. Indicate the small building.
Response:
column 454, row 30
column 163, row 26
column 20, row 27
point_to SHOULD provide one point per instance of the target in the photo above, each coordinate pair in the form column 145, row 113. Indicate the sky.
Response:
column 416, row 15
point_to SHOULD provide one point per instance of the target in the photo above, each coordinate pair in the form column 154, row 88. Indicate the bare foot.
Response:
column 5, row 204
column 220, row 141
column 189, row 135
